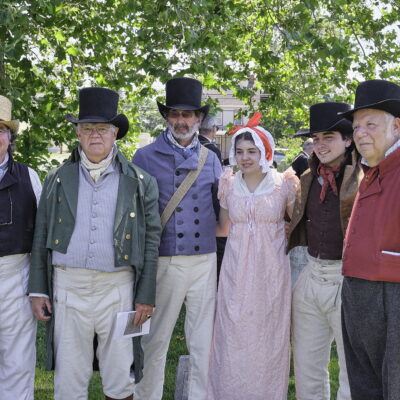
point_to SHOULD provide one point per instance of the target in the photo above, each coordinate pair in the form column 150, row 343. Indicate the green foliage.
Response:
column 292, row 146
column 301, row 52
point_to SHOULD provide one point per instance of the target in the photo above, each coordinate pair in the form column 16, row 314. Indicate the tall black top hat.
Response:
column 378, row 94
column 183, row 94
column 98, row 104
column 324, row 117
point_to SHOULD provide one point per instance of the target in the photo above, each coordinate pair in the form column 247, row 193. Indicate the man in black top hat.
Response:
column 371, row 259
column 187, row 263
column 320, row 216
column 95, row 253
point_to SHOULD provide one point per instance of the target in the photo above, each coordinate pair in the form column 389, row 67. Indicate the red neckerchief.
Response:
column 328, row 175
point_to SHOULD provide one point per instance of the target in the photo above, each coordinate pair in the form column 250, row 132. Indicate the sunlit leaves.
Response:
column 301, row 52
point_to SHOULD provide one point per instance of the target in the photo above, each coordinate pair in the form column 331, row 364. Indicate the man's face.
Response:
column 330, row 147
column 96, row 139
column 4, row 141
column 309, row 148
column 374, row 133
column 183, row 124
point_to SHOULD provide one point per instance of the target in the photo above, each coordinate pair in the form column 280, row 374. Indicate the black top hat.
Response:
column 98, row 104
column 324, row 117
column 183, row 94
column 378, row 94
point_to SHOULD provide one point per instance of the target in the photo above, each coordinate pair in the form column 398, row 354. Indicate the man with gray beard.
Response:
column 187, row 262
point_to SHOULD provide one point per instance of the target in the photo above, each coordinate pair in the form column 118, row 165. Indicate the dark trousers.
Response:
column 371, row 338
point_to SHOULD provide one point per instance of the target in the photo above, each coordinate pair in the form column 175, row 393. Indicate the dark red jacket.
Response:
column 374, row 227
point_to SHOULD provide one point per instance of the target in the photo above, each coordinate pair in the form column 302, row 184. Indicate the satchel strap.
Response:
column 183, row 188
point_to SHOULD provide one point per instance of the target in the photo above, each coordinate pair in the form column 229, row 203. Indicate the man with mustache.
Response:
column 20, row 190
column 187, row 262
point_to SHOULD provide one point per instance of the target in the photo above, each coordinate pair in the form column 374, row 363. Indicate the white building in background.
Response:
column 231, row 105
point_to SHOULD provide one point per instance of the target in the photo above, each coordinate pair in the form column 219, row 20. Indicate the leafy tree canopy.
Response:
column 301, row 52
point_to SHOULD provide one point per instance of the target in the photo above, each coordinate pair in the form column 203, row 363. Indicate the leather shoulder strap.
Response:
column 184, row 187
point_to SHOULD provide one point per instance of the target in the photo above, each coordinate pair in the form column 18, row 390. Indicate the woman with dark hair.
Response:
column 251, row 343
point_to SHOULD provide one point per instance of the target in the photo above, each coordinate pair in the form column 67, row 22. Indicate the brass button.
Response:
column 128, row 236
column 59, row 220
column 56, row 241
column 132, row 215
column 126, row 257
column 141, row 176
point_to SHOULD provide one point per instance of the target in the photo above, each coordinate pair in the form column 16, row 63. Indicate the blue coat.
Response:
column 191, row 228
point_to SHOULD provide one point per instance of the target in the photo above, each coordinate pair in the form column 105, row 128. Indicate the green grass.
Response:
column 44, row 379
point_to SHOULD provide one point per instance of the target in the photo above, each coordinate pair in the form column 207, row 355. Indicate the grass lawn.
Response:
column 44, row 379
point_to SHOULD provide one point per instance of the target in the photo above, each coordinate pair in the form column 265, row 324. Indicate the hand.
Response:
column 39, row 305
column 143, row 313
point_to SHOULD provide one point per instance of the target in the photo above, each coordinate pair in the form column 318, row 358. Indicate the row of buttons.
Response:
column 182, row 247
column 181, row 235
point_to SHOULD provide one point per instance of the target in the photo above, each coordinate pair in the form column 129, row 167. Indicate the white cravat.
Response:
column 96, row 169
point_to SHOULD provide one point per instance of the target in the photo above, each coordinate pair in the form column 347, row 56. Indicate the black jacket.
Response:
column 210, row 146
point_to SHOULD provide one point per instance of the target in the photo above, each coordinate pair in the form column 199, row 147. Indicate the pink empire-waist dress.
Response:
column 250, row 354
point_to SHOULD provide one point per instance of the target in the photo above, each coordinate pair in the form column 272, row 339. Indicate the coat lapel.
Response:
column 127, row 192
column 69, row 179
column 7, row 181
column 301, row 198
column 373, row 188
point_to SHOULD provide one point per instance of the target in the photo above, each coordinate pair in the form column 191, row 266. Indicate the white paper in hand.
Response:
column 124, row 327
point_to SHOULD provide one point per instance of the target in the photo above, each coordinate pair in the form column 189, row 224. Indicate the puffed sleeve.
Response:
column 224, row 186
column 291, row 182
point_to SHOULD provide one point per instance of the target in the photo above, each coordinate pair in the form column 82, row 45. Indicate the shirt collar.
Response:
column 4, row 164
column 207, row 138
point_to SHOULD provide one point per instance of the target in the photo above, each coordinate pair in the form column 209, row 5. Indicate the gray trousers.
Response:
column 371, row 336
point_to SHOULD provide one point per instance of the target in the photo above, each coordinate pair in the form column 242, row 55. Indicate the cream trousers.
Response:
column 316, row 321
column 181, row 279
column 17, row 330
column 86, row 303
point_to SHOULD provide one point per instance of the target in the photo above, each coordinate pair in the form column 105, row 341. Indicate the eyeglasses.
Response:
column 87, row 130
column 4, row 129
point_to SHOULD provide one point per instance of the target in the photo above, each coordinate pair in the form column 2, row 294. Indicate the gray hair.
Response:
column 308, row 143
column 208, row 123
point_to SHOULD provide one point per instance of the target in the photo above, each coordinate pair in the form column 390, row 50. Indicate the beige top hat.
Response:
column 5, row 114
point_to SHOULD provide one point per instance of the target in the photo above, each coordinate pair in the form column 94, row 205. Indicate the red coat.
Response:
column 374, row 227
